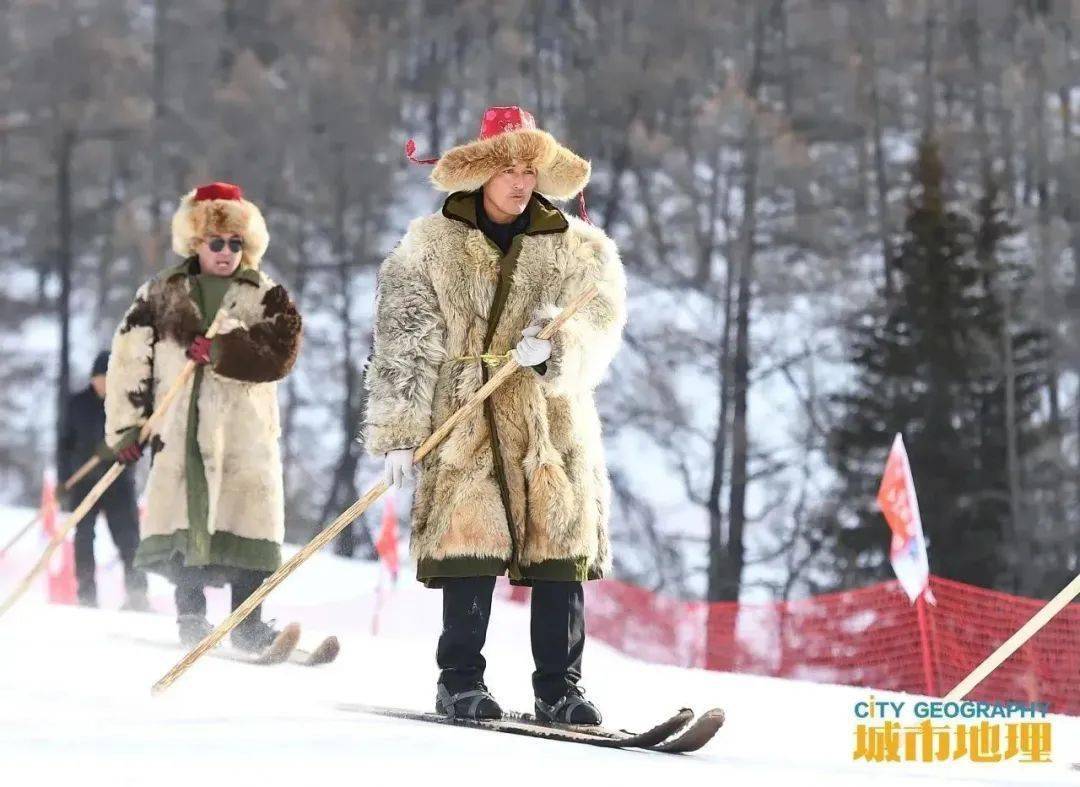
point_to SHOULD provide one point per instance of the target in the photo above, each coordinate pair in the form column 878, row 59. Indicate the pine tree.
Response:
column 931, row 364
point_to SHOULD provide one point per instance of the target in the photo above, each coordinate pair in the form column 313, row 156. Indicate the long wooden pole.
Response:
column 1016, row 641
column 22, row 532
column 111, row 475
column 76, row 477
column 357, row 508
column 82, row 472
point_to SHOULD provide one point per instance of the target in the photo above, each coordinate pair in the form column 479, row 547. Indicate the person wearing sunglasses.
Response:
column 215, row 500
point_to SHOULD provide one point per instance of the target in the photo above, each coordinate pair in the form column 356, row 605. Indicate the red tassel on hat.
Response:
column 410, row 150
column 218, row 190
column 582, row 212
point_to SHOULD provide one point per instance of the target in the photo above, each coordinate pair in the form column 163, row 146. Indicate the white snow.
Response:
column 75, row 704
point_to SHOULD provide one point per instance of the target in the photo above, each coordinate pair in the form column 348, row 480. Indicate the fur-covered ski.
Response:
column 324, row 653
column 282, row 649
column 276, row 652
column 680, row 733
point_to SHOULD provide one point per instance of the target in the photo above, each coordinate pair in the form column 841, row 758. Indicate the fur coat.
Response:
column 541, row 510
column 237, row 418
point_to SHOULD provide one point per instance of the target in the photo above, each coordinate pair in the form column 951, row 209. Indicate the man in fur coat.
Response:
column 520, row 487
column 214, row 496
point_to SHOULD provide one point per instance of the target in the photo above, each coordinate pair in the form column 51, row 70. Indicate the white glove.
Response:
column 531, row 351
column 398, row 467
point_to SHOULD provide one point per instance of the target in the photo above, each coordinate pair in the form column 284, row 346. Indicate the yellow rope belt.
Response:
column 490, row 359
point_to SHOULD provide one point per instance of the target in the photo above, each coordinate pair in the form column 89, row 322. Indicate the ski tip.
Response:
column 326, row 652
column 282, row 645
column 291, row 633
column 696, row 735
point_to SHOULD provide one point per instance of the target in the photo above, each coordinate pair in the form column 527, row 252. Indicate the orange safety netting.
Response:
column 868, row 637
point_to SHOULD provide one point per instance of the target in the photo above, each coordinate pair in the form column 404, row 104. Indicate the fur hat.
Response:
column 219, row 209
column 508, row 134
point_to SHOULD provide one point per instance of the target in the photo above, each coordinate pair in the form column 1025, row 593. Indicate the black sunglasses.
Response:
column 217, row 244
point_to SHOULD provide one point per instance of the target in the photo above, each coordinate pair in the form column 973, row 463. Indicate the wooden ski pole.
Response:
column 361, row 505
column 111, row 475
column 81, row 473
column 22, row 532
column 1016, row 641
column 76, row 477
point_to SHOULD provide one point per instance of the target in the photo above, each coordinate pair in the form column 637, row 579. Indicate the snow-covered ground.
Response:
column 75, row 704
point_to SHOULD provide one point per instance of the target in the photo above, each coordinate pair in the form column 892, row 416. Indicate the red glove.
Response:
column 127, row 451
column 199, row 350
column 129, row 455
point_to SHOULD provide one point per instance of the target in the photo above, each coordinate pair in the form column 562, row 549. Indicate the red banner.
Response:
column 898, row 503
column 387, row 542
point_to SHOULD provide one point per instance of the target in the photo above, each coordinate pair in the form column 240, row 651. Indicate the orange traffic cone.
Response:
column 61, row 573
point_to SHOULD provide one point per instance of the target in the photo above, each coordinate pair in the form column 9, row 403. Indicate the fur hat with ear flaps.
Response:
column 219, row 209
column 508, row 135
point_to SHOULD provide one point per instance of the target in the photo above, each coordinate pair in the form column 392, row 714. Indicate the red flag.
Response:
column 61, row 570
column 898, row 503
column 387, row 545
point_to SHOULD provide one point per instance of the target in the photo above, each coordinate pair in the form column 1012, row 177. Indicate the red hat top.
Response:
column 227, row 191
column 499, row 120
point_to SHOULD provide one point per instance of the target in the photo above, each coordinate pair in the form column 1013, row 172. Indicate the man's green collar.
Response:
column 544, row 218
column 190, row 267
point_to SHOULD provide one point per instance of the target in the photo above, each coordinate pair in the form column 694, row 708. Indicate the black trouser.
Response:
column 190, row 594
column 557, row 631
column 122, row 517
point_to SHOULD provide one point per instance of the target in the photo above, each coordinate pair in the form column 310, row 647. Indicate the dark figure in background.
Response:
column 83, row 437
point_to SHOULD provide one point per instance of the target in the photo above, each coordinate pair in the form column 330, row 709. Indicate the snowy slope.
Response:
column 75, row 705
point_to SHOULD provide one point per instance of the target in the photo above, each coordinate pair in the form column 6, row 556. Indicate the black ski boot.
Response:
column 136, row 601
column 193, row 629
column 87, row 596
column 571, row 708
column 253, row 635
column 474, row 703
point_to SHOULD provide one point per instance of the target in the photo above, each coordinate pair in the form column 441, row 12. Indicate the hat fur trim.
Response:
column 194, row 221
column 560, row 173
